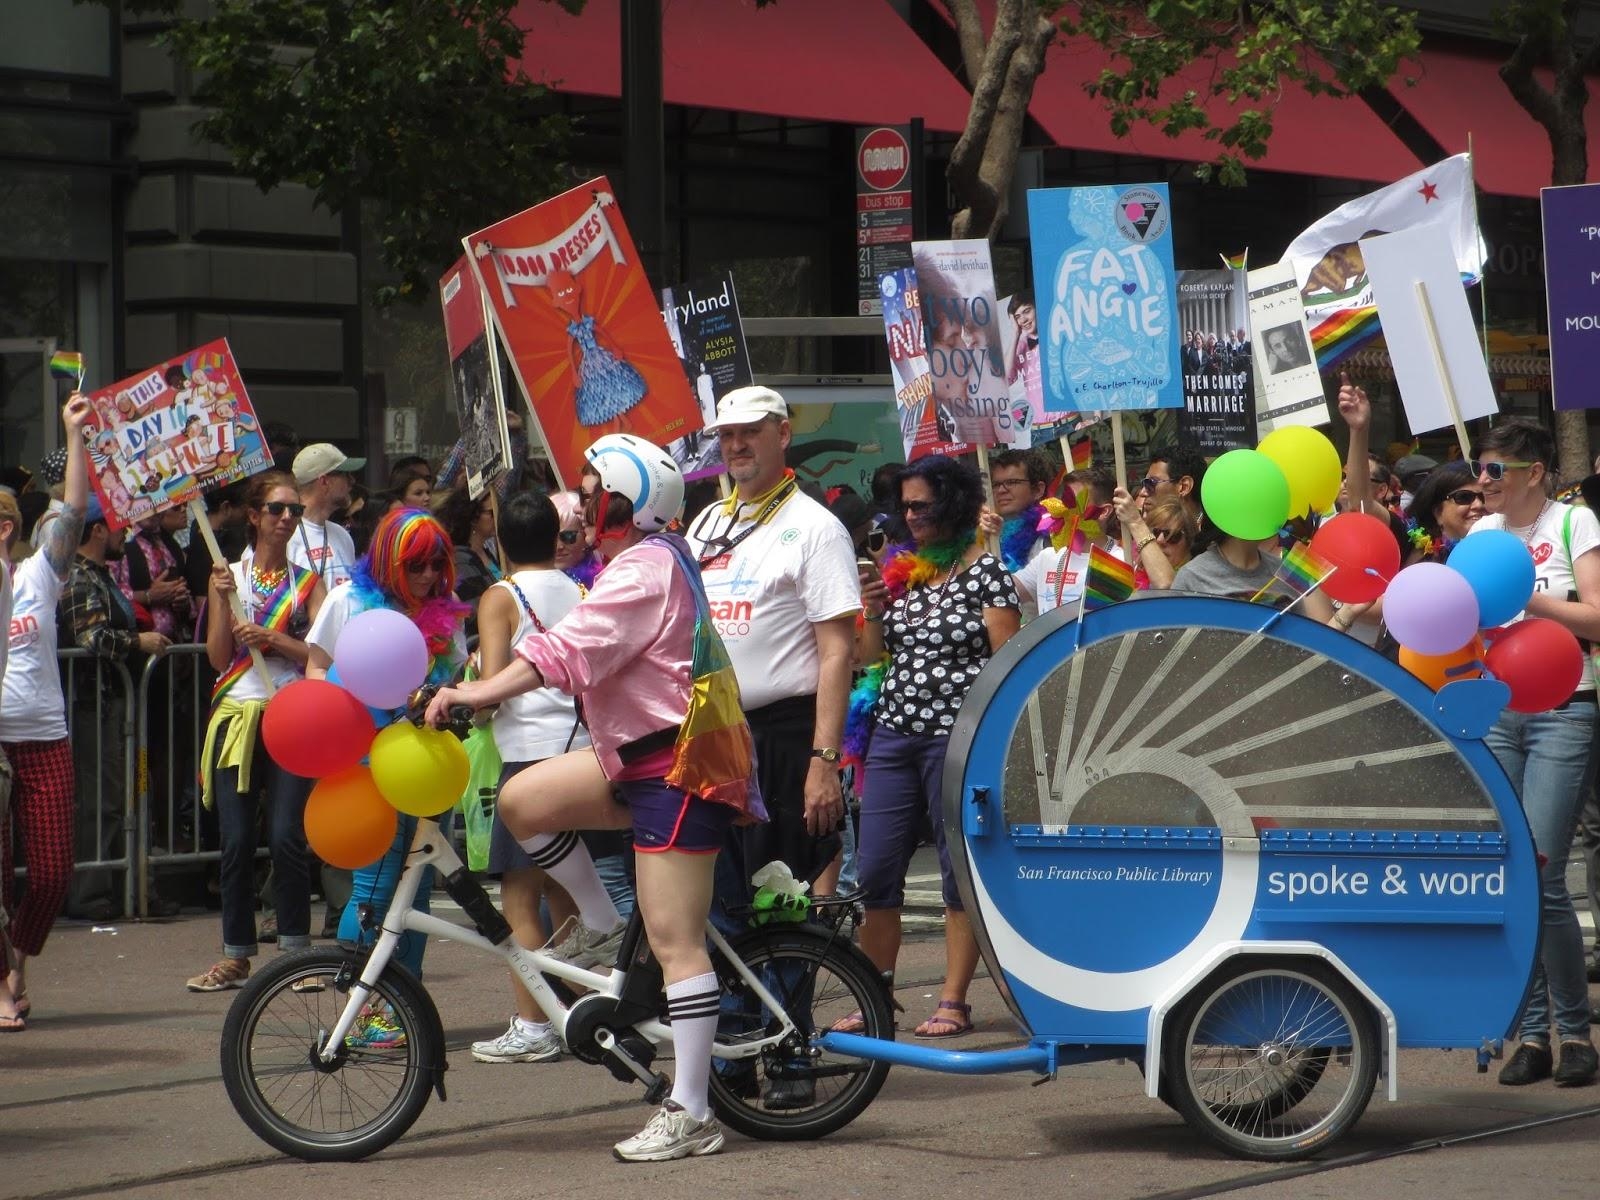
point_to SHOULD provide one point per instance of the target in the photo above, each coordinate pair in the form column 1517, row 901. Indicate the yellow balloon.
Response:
column 422, row 772
column 1310, row 463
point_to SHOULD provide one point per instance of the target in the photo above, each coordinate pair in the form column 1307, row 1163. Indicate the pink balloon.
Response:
column 1431, row 609
column 382, row 658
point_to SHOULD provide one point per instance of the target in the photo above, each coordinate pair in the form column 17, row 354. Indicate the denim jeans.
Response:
column 1548, row 757
column 286, row 796
column 375, row 885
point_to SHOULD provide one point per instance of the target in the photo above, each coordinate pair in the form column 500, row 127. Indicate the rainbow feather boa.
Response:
column 1019, row 535
column 584, row 570
column 904, row 567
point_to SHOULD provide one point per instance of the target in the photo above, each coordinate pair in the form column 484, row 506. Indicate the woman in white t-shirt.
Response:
column 280, row 603
column 1548, row 755
column 33, row 727
column 528, row 728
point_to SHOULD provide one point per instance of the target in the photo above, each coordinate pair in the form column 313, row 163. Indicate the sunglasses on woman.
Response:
column 436, row 565
column 569, row 537
column 1170, row 537
column 1465, row 496
column 916, row 508
column 1494, row 470
column 277, row 508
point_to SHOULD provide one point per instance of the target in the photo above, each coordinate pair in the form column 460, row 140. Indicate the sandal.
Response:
column 854, row 1023
column 946, row 1027
column 224, row 974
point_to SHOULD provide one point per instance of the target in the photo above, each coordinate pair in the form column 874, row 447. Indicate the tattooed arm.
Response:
column 64, row 533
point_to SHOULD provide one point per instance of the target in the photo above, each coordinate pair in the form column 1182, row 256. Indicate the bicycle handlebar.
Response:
column 460, row 715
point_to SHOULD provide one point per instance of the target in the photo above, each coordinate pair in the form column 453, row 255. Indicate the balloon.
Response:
column 1436, row 670
column 381, row 717
column 1246, row 495
column 1311, row 465
column 1500, row 570
column 421, row 772
column 1364, row 552
column 382, row 657
column 348, row 822
column 315, row 728
column 1539, row 660
column 1431, row 609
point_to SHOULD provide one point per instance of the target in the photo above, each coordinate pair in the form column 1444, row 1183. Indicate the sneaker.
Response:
column 516, row 1045
column 672, row 1133
column 375, row 1030
column 585, row 947
column 1578, row 1064
column 1529, row 1064
column 783, row 1095
column 222, row 975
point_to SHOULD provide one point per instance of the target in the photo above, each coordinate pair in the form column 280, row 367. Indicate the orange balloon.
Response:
column 348, row 822
column 1436, row 670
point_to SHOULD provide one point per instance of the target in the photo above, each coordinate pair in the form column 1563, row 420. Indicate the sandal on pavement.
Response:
column 937, row 1026
column 222, row 975
column 854, row 1023
column 16, row 1024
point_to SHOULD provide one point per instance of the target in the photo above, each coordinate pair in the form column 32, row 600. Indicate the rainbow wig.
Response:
column 380, row 580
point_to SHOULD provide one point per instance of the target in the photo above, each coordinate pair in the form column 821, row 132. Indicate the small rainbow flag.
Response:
column 67, row 364
column 1110, row 580
column 1344, row 332
column 1300, row 570
column 1237, row 262
column 1083, row 455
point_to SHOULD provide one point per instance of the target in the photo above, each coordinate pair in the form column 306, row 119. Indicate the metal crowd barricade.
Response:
column 173, row 703
column 99, row 693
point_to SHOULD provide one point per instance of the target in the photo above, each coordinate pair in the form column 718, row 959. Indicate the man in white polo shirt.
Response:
column 322, row 472
column 780, row 574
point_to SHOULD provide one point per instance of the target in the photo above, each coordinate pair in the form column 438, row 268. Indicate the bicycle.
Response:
column 311, row 1083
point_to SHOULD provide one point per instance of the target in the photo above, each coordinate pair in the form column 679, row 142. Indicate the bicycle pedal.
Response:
column 658, row 1091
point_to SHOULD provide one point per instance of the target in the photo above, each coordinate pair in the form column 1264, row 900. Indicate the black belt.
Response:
column 1586, row 696
column 650, row 743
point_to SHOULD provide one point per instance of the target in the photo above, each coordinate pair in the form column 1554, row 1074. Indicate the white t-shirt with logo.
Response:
column 796, row 569
column 1552, row 569
column 544, row 722
column 1054, row 579
column 327, row 549
column 31, row 706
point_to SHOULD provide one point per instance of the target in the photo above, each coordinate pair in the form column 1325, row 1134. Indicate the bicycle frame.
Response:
column 429, row 847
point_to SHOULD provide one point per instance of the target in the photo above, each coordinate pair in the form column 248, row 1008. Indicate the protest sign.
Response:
column 161, row 437
column 1102, row 262
column 961, row 326
column 1438, row 362
column 1019, row 350
column 1218, row 398
column 579, row 319
column 1571, row 218
column 702, row 320
column 1288, row 386
column 920, row 433
column 474, row 370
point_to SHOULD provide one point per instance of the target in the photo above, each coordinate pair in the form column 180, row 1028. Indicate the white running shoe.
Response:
column 672, row 1133
column 517, row 1046
column 585, row 947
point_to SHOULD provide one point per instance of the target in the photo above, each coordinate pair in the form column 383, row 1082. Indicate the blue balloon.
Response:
column 1500, row 570
column 381, row 717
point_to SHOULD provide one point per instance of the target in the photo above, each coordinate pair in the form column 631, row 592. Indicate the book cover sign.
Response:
column 1218, row 395
column 160, row 438
column 702, row 320
column 475, row 374
column 1102, row 262
column 920, row 432
column 579, row 319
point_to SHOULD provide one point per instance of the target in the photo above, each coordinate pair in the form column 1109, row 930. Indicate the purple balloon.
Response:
column 382, row 658
column 1431, row 609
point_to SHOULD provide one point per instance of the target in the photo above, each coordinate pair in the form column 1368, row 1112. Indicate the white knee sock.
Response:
column 692, row 1010
column 565, row 858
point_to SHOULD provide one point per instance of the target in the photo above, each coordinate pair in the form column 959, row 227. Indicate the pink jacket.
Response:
column 626, row 650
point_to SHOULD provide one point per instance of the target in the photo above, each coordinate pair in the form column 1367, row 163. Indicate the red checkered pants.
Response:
column 42, row 811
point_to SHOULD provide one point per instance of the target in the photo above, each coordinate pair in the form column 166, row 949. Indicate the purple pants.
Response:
column 904, row 779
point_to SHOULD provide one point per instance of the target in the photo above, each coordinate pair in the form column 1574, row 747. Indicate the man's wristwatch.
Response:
column 828, row 754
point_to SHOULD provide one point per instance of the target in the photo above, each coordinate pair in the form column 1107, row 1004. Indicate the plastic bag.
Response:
column 478, row 801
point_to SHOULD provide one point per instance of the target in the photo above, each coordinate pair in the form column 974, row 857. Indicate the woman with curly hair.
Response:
column 410, row 568
column 943, row 607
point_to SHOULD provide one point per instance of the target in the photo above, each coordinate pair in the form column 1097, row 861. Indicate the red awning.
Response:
column 1460, row 93
column 1312, row 135
column 851, row 61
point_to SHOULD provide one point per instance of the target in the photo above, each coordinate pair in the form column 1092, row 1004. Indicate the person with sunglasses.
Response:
column 1177, row 471
column 281, row 601
column 1055, row 577
column 1549, row 756
column 575, row 554
column 1445, row 506
column 470, row 524
column 409, row 568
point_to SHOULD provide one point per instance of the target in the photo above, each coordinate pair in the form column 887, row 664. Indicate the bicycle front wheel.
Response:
column 343, row 1110
column 793, row 1091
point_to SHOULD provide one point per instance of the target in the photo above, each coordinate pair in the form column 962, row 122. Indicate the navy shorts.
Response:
column 668, row 818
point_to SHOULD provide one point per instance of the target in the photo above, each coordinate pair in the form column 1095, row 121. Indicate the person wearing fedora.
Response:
column 323, row 473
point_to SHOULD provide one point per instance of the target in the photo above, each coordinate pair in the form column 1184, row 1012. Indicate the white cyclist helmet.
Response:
column 644, row 473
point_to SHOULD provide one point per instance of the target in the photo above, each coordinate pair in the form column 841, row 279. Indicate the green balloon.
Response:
column 1246, row 495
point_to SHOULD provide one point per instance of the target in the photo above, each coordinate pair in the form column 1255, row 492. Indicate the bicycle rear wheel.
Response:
column 367, row 1096
column 794, row 1091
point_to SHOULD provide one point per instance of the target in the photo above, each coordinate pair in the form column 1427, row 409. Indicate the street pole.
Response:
column 643, row 135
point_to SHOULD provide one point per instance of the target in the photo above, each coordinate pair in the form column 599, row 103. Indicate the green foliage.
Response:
column 1220, row 66
column 419, row 105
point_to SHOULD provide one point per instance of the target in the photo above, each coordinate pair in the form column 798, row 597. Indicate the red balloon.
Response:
column 1539, row 660
column 1364, row 553
column 315, row 728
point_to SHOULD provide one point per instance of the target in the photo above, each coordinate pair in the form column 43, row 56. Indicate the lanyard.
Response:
column 311, row 558
column 723, row 544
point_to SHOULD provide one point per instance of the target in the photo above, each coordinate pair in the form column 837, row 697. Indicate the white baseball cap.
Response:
column 323, row 458
column 747, row 405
